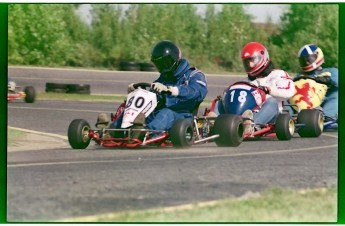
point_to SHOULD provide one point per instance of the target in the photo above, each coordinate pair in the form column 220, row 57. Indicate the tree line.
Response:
column 55, row 35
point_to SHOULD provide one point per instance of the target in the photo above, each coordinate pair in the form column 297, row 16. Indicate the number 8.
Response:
column 241, row 97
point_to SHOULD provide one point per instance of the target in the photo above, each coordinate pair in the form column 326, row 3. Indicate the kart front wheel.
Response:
column 284, row 127
column 313, row 122
column 78, row 132
column 30, row 94
column 230, row 130
column 181, row 133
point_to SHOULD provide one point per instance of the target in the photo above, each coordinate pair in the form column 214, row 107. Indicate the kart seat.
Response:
column 196, row 109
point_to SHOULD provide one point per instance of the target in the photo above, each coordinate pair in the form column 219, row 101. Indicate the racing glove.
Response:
column 266, row 89
column 130, row 88
column 161, row 88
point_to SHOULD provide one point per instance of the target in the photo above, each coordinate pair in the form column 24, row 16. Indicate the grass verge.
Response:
column 80, row 97
column 12, row 135
column 273, row 205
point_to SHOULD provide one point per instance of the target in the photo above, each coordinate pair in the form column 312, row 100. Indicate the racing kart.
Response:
column 243, row 95
column 28, row 94
column 310, row 94
column 184, row 132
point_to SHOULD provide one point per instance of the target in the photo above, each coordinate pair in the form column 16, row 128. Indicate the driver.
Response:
column 181, row 86
column 11, row 85
column 276, row 84
column 311, row 59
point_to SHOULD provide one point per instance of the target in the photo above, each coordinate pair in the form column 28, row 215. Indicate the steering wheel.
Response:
column 143, row 85
column 161, row 98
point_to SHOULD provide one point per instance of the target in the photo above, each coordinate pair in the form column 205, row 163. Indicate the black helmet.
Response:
column 166, row 56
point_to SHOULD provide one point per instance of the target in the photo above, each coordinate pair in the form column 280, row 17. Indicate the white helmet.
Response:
column 11, row 86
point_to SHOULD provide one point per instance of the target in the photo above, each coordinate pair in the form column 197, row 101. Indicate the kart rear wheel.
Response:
column 181, row 133
column 313, row 122
column 230, row 130
column 78, row 132
column 284, row 127
column 30, row 94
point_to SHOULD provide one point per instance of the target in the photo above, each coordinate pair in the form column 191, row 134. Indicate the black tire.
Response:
column 230, row 130
column 51, row 90
column 284, row 127
column 129, row 66
column 147, row 67
column 75, row 88
column 78, row 131
column 30, row 94
column 181, row 133
column 50, row 85
column 313, row 122
column 56, row 87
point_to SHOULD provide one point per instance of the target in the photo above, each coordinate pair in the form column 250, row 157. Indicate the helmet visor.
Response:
column 251, row 62
column 307, row 60
column 163, row 64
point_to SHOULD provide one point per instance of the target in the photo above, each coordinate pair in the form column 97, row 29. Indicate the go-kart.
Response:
column 243, row 95
column 28, row 94
column 310, row 94
column 183, row 133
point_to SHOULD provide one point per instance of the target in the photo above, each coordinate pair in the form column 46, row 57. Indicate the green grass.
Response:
column 274, row 205
column 12, row 135
column 80, row 97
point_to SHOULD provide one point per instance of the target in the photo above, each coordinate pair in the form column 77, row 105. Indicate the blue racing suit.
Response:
column 329, row 77
column 192, row 87
column 192, row 90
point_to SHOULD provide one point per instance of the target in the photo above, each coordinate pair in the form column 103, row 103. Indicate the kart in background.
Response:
column 28, row 94
column 310, row 94
column 241, row 96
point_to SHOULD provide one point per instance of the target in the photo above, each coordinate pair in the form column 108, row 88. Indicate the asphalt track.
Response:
column 50, row 183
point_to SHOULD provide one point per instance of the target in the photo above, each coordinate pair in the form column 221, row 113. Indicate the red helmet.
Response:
column 255, row 58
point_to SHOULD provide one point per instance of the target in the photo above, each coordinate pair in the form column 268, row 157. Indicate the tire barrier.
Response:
column 129, row 66
column 133, row 66
column 67, row 88
column 147, row 67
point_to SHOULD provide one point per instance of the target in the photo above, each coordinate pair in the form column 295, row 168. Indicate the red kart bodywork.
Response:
column 15, row 96
column 28, row 94
column 129, row 142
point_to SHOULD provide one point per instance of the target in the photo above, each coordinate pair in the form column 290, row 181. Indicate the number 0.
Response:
column 139, row 102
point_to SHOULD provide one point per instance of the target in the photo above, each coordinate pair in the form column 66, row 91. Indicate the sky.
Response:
column 260, row 12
